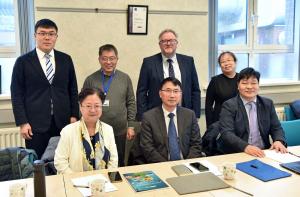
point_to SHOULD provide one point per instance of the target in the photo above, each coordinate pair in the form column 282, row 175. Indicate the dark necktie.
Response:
column 173, row 140
column 171, row 69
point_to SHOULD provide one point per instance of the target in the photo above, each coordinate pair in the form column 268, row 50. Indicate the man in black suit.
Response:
column 44, row 89
column 247, row 120
column 157, row 123
column 168, row 63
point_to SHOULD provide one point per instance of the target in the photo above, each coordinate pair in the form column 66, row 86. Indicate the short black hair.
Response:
column 90, row 91
column 229, row 53
column 173, row 80
column 45, row 23
column 108, row 47
column 248, row 72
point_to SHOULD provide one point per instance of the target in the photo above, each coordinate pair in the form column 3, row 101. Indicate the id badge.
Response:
column 106, row 103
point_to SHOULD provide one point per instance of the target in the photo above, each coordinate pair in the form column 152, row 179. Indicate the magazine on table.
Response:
column 144, row 181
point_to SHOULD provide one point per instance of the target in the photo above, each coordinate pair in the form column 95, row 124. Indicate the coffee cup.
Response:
column 97, row 187
column 229, row 170
column 17, row 190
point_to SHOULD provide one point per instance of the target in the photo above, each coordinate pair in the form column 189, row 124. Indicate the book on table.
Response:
column 144, row 181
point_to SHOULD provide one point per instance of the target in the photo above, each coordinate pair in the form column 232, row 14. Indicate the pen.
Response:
column 253, row 166
column 81, row 186
column 242, row 191
column 293, row 154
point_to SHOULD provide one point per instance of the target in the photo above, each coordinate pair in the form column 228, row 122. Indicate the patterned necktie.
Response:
column 173, row 140
column 49, row 69
column 171, row 69
column 254, row 135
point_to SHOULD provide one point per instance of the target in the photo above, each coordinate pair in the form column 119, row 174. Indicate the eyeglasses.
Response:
column 106, row 59
column 169, row 91
column 90, row 107
column 50, row 34
column 172, row 41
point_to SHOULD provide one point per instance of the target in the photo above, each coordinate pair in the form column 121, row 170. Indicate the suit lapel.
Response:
column 182, row 69
column 160, row 119
column 244, row 113
column 159, row 67
column 180, row 122
column 57, row 65
column 35, row 62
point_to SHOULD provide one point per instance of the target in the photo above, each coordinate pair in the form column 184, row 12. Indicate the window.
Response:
column 8, row 42
column 263, row 34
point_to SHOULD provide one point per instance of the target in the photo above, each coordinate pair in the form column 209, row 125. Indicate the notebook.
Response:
column 196, row 183
column 293, row 166
column 261, row 170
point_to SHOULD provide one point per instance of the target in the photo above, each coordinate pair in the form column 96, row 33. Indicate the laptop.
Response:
column 293, row 166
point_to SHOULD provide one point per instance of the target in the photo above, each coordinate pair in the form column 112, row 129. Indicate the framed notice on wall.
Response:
column 137, row 19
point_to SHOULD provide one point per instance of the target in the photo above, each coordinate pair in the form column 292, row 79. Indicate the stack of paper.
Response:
column 82, row 182
column 280, row 157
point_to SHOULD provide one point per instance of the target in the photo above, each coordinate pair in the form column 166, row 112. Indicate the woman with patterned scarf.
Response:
column 87, row 144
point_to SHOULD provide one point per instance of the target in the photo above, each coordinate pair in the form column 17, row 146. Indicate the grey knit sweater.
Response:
column 121, row 111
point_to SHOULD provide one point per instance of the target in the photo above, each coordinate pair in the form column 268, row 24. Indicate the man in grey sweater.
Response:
column 119, row 107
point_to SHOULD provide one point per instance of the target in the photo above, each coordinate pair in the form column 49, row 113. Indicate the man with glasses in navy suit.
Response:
column 165, row 64
column 44, row 89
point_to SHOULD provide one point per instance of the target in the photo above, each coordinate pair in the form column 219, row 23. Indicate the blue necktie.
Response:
column 173, row 140
column 171, row 69
column 49, row 68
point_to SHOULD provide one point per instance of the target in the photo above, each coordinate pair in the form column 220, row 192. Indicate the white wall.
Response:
column 81, row 34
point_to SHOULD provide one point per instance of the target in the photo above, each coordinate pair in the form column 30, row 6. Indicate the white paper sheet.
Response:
column 282, row 158
column 212, row 168
column 84, row 181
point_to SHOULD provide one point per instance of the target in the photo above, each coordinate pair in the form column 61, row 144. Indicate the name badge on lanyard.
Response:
column 106, row 87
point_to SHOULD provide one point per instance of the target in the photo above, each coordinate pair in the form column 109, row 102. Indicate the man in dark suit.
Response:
column 247, row 120
column 168, row 63
column 44, row 89
column 170, row 132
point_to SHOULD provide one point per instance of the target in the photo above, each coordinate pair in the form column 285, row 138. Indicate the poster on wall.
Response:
column 137, row 19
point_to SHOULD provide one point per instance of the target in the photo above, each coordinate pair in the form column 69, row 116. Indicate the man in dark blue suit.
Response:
column 44, row 89
column 247, row 120
column 168, row 63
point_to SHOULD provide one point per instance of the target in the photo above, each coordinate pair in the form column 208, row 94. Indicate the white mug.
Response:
column 97, row 187
column 229, row 170
column 17, row 190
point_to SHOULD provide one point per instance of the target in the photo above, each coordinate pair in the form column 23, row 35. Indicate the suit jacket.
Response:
column 151, row 75
column 31, row 92
column 154, row 136
column 234, row 125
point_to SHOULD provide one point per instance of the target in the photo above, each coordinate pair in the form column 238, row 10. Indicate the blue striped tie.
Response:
column 49, row 68
column 173, row 140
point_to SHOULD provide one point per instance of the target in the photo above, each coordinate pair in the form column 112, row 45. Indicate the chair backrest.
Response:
column 289, row 114
column 16, row 163
column 292, row 132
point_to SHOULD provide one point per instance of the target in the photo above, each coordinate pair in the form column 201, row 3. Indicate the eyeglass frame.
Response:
column 90, row 107
column 170, row 91
column 111, row 59
column 171, row 41
column 44, row 34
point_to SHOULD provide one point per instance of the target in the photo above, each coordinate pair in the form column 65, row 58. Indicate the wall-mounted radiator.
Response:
column 10, row 137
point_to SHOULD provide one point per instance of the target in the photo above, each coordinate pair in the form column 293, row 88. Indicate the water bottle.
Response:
column 39, row 179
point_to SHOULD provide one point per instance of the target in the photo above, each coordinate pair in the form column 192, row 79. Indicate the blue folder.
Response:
column 261, row 170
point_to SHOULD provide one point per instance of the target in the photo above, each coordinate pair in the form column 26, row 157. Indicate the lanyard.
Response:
column 107, row 85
